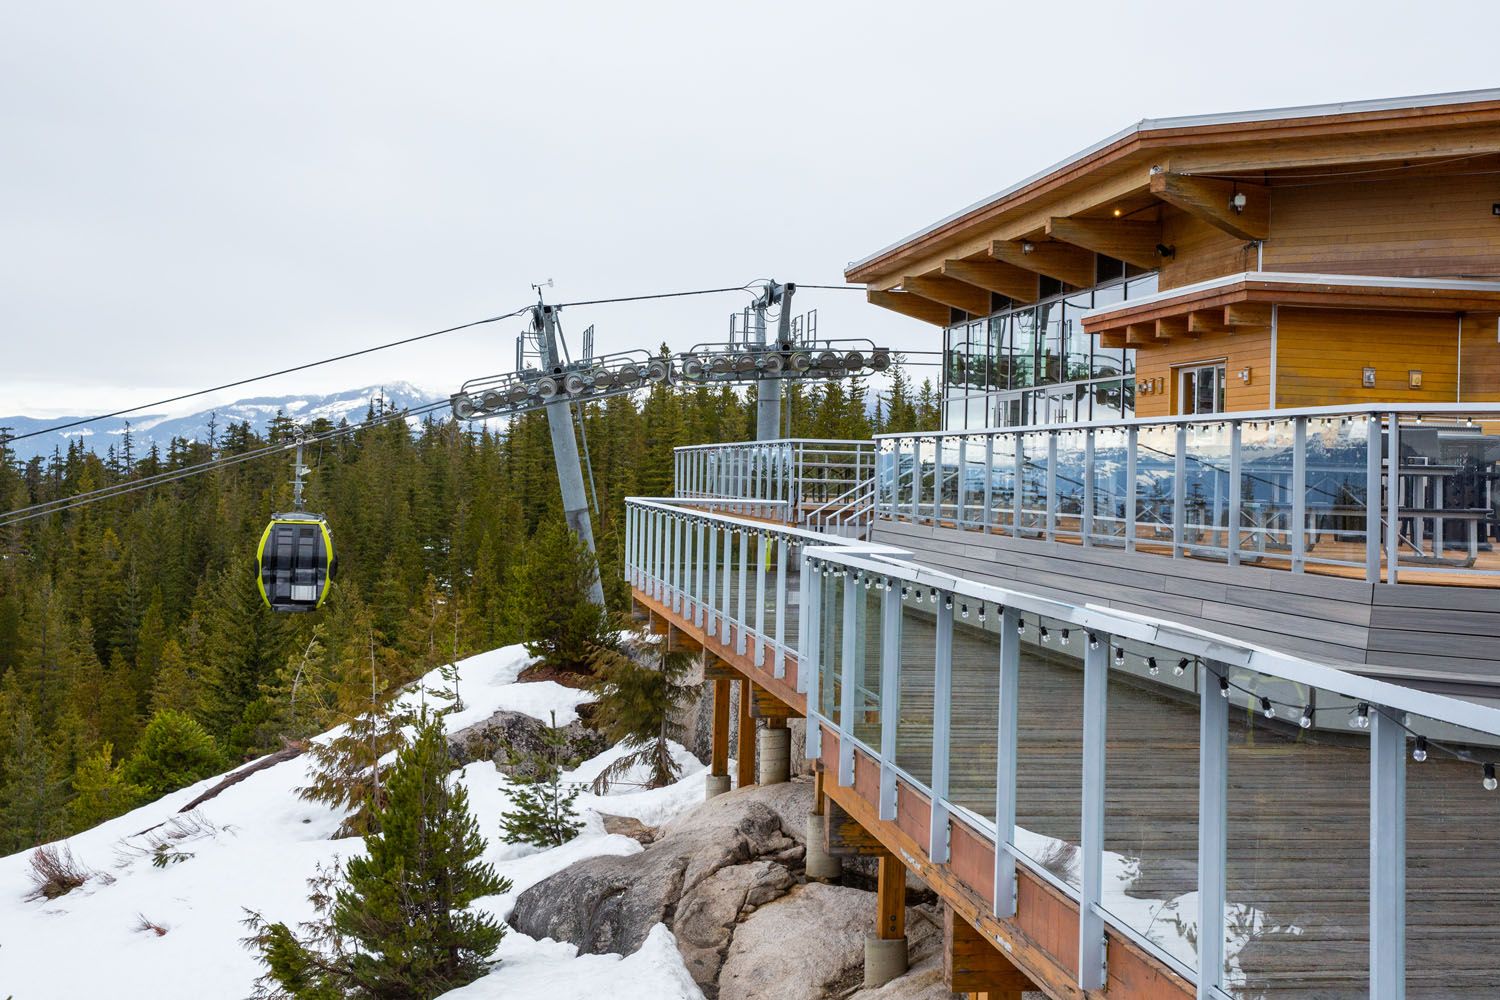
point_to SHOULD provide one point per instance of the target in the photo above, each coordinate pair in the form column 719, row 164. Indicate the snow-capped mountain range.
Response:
column 351, row 404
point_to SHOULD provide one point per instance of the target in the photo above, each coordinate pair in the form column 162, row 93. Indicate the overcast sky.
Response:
column 193, row 192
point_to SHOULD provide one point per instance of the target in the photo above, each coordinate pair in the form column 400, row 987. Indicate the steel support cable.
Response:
column 267, row 375
column 172, row 475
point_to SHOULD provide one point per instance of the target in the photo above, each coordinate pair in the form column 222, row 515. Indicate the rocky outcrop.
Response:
column 513, row 740
column 609, row 904
column 628, row 826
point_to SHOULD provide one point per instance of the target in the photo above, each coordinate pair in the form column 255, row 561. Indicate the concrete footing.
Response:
column 715, row 784
column 885, row 959
column 775, row 755
column 821, row 866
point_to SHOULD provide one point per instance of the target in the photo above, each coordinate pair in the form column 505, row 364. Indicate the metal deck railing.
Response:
column 805, row 473
column 974, row 694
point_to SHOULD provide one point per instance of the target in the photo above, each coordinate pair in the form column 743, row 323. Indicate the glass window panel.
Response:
column 1076, row 343
column 1051, row 353
column 1024, row 349
column 1139, row 288
column 1000, row 358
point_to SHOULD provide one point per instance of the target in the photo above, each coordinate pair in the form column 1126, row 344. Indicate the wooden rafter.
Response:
column 950, row 292
column 1124, row 239
column 1206, row 321
column 1210, row 200
column 1005, row 279
column 1140, row 334
column 1172, row 326
column 1056, row 260
column 911, row 305
column 1248, row 314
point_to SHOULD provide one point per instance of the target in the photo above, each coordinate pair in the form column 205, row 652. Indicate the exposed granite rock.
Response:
column 513, row 740
column 629, row 826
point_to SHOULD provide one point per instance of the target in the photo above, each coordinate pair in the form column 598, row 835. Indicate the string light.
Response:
column 981, row 612
column 1065, row 637
column 1489, row 777
column 964, row 610
column 947, row 602
column 1020, row 626
column 905, row 591
column 1151, row 666
column 1307, row 717
column 1181, row 667
column 1119, row 656
column 1093, row 641
column 1046, row 636
column 1224, row 687
column 1419, row 749
column 1267, row 708
column 1361, row 718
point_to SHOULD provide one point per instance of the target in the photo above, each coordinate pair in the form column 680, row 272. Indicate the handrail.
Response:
column 657, row 529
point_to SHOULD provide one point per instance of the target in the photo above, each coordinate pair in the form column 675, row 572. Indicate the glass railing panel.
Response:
column 1155, row 478
column 868, row 628
column 1266, row 451
column 1070, row 475
column 1033, row 474
column 792, row 627
column 1446, row 499
column 976, row 708
column 1111, row 490
column 971, row 480
column 1206, row 489
column 888, row 467
column 1336, row 495
column 1002, row 473
column 831, row 646
column 1298, row 833
column 1452, row 862
column 927, row 452
column 950, row 448
column 1049, row 750
column 914, row 725
column 1150, row 865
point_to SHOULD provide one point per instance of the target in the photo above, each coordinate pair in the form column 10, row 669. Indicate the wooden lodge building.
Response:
column 1171, row 662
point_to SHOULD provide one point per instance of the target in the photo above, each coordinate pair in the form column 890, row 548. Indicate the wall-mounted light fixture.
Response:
column 1245, row 375
column 1166, row 251
column 1027, row 246
column 1414, row 378
column 1237, row 202
column 1367, row 378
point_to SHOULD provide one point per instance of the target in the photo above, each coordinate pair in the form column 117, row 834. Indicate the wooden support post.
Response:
column 745, row 750
column 818, row 795
column 972, row 964
column 890, row 898
column 719, row 754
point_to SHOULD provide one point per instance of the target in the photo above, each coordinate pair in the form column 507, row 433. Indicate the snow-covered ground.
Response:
column 254, row 846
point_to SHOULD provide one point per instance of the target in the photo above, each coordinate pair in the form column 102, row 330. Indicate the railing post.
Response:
column 942, row 716
column 1130, row 473
column 778, row 667
column 937, row 479
column 1387, row 858
column 1086, row 523
column 987, row 519
column 1236, row 512
column 1392, row 497
column 849, row 647
column 1179, row 492
column 761, row 556
column 1372, row 498
column 1051, row 486
column 916, row 478
column 1091, row 954
column 1007, row 733
column 890, row 695
column 1213, row 822
column 1299, row 494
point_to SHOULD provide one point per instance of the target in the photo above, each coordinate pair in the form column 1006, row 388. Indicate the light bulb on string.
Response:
column 963, row 609
column 1020, row 626
column 1151, row 666
column 1065, row 637
column 947, row 602
column 1093, row 641
column 1307, row 717
column 1046, row 636
column 1489, row 777
column 1119, row 656
column 1267, row 708
column 1419, row 749
column 1224, row 687
column 1181, row 667
column 1361, row 718
column 981, row 612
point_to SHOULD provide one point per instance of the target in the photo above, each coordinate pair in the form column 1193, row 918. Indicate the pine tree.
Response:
column 641, row 688
column 397, row 924
column 549, row 599
column 173, row 752
column 542, row 812
column 100, row 790
column 33, row 792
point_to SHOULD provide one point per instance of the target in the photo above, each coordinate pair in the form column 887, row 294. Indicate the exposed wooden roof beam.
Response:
column 1248, row 314
column 958, row 294
column 1005, row 279
column 1140, row 334
column 1056, row 260
column 1172, row 326
column 1124, row 239
column 1206, row 321
column 911, row 305
column 1209, row 200
column 1112, row 338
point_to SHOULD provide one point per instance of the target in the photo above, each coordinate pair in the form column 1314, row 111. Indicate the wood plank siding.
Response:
column 1321, row 353
column 1245, row 348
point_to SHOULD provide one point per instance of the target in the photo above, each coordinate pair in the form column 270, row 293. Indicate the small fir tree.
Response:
column 542, row 812
column 641, row 689
column 100, row 790
column 396, row 924
column 173, row 751
column 549, row 598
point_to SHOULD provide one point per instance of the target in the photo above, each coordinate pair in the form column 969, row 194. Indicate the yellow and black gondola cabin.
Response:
column 296, row 562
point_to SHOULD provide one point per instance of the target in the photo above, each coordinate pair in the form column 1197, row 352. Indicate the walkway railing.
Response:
column 804, row 472
column 1297, row 490
column 1065, row 734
